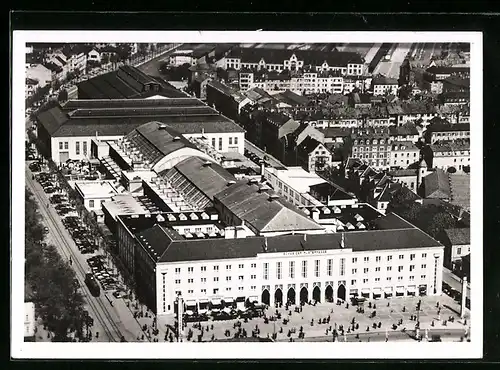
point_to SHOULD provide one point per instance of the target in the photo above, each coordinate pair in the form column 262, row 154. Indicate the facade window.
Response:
column 354, row 260
column 203, row 291
column 424, row 266
column 228, row 267
column 365, row 281
column 304, row 269
column 278, row 270
column 389, row 258
column 253, row 287
column 203, row 280
column 84, row 148
column 412, row 267
column 240, row 288
column 228, row 278
column 400, row 278
column 412, row 257
column 241, row 265
column 236, row 140
column 377, row 269
column 412, row 278
column 66, row 145
column 366, row 259
column 203, row 268
column 401, row 256
column 389, row 268
column 216, row 278
column 177, row 281
column 190, row 292
column 354, row 271
column 228, row 289
column 230, row 141
column 353, row 282
column 377, row 259
column 342, row 266
column 316, row 268
column 253, row 277
column 266, row 271
column 424, row 255
column 240, row 277
column 459, row 250
column 213, row 142
column 61, row 145
column 422, row 277
column 291, row 269
column 400, row 268
column 220, row 143
column 329, row 267
column 253, row 265
column 190, row 269
column 388, row 278
column 377, row 279
column 216, row 268
column 190, row 281
column 77, row 148
column 365, row 270
column 91, row 203
column 177, row 270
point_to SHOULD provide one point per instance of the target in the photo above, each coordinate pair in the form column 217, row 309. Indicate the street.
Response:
column 151, row 66
column 454, row 281
column 106, row 319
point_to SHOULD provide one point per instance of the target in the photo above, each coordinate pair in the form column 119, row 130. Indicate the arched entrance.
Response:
column 329, row 294
column 266, row 298
column 304, row 294
column 290, row 296
column 341, row 292
column 317, row 294
column 278, row 297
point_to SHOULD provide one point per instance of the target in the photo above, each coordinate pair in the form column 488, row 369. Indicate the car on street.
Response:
column 45, row 230
column 34, row 167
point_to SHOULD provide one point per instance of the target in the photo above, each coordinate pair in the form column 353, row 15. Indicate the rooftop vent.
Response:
column 207, row 164
column 264, row 188
column 177, row 138
column 232, row 182
column 160, row 218
column 162, row 127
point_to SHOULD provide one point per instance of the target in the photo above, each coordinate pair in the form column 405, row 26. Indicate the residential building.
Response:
column 456, row 84
column 443, row 72
column 373, row 146
column 408, row 177
column 382, row 85
column 225, row 99
column 455, row 98
column 448, row 154
column 456, row 246
column 407, row 112
column 94, row 56
column 315, row 156
column 442, row 130
column 93, row 194
column 347, row 63
column 403, row 154
column 30, row 87
column 406, row 132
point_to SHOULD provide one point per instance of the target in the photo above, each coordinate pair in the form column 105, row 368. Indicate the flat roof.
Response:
column 139, row 174
column 96, row 189
column 297, row 178
column 123, row 204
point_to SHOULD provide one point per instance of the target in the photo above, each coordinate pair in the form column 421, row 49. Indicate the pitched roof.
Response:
column 403, row 173
column 437, row 185
column 210, row 179
column 310, row 57
column 163, row 246
column 407, row 129
column 447, row 127
column 255, row 208
column 458, row 236
column 333, row 191
column 308, row 145
column 336, row 132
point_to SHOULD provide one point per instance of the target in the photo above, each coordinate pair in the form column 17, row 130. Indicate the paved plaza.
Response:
column 388, row 312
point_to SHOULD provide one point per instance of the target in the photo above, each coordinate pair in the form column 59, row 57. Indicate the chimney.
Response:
column 207, row 164
column 232, row 182
column 342, row 241
column 177, row 138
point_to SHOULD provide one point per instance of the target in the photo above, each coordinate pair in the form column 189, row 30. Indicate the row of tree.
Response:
column 51, row 280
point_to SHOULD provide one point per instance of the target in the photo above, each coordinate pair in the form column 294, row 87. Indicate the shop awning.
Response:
column 189, row 313
column 353, row 291
column 400, row 289
column 190, row 302
column 412, row 288
column 388, row 289
column 253, row 298
column 228, row 300
column 377, row 290
column 204, row 300
column 365, row 291
column 215, row 301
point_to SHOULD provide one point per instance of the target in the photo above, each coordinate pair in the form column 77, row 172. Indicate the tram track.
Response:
column 97, row 306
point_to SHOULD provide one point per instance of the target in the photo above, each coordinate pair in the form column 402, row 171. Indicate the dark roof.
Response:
column 209, row 179
column 127, row 82
column 447, row 127
column 447, row 70
column 457, row 81
column 437, row 185
column 310, row 57
column 336, row 132
column 407, row 129
column 156, row 140
column 392, row 221
column 403, row 172
column 278, row 118
column 308, row 145
column 382, row 80
column 53, row 67
column 255, row 208
column 164, row 247
column 458, row 236
column 330, row 190
column 116, row 117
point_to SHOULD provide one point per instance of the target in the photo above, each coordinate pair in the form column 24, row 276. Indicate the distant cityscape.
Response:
column 247, row 192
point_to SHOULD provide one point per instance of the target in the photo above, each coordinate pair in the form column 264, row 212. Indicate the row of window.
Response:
column 215, row 291
column 291, row 269
column 216, row 279
column 64, row 145
column 216, row 268
column 389, row 268
column 389, row 278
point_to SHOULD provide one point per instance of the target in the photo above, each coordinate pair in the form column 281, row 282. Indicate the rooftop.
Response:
column 460, row 190
column 450, row 146
column 458, row 236
column 437, row 185
column 126, row 82
column 264, row 213
column 123, row 204
column 448, row 127
column 382, row 80
column 336, row 132
column 95, row 189
column 402, row 173
column 297, row 178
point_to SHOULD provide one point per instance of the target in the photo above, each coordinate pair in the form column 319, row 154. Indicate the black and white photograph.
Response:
column 254, row 194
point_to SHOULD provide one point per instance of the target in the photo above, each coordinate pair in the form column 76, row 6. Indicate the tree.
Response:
column 105, row 58
column 56, row 85
column 114, row 59
column 142, row 49
column 63, row 95
column 440, row 221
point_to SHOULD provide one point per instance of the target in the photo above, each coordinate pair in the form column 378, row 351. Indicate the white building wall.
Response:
column 205, row 286
column 69, row 145
column 444, row 160
column 221, row 143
